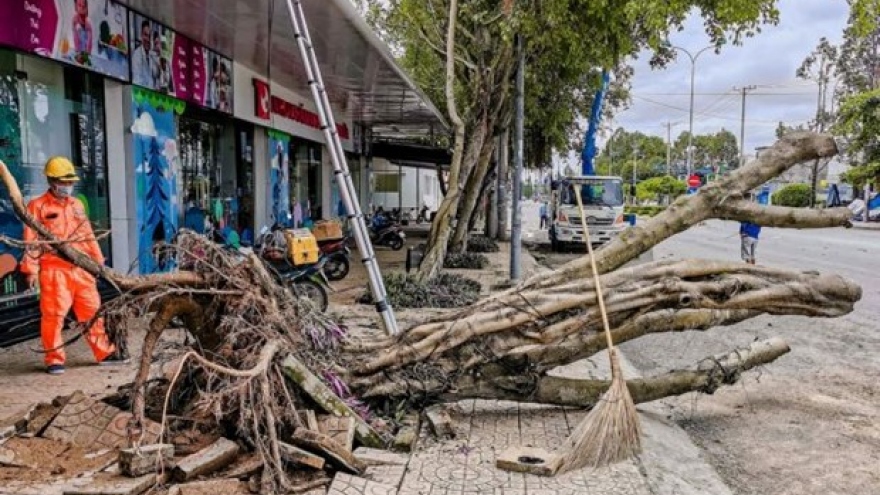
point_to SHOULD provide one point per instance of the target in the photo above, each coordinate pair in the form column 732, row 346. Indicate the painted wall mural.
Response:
column 10, row 152
column 156, row 160
column 278, row 177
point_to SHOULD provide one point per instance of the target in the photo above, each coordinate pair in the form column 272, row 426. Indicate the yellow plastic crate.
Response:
column 302, row 247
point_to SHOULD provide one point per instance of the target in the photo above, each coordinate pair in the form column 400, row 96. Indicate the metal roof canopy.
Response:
column 359, row 71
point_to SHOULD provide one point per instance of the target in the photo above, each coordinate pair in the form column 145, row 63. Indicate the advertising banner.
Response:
column 278, row 177
column 211, row 79
column 159, row 57
column 91, row 34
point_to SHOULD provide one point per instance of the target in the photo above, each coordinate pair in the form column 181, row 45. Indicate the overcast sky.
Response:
column 769, row 61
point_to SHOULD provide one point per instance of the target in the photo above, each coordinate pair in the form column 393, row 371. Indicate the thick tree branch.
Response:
column 778, row 216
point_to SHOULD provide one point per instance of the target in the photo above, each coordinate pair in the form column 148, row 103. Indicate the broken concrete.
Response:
column 408, row 435
column 116, row 485
column 326, row 447
column 377, row 457
column 529, row 460
column 213, row 458
column 243, row 467
column 138, row 462
column 296, row 455
column 340, row 429
column 440, row 421
column 321, row 393
column 92, row 424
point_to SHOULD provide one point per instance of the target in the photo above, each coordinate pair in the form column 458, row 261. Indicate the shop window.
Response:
column 306, row 172
column 47, row 109
column 244, row 146
column 388, row 182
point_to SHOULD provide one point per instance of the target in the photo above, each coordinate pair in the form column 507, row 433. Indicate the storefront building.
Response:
column 176, row 122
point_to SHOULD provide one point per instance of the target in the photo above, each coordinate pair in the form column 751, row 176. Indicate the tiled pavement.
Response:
column 466, row 465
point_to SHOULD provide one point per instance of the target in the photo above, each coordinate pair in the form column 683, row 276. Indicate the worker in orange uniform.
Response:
column 62, row 284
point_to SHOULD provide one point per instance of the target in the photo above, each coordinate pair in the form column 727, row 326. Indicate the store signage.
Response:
column 266, row 104
column 169, row 63
column 91, row 34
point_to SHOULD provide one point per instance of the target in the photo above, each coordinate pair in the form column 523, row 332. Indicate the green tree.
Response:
column 720, row 149
column 793, row 195
column 567, row 44
column 657, row 187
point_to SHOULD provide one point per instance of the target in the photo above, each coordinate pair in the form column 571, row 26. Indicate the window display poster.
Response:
column 279, row 179
column 211, row 79
column 156, row 162
column 159, row 57
column 87, row 33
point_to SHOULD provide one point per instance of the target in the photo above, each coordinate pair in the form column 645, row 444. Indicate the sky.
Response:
column 768, row 60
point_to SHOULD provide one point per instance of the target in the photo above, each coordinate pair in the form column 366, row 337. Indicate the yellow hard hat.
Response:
column 60, row 168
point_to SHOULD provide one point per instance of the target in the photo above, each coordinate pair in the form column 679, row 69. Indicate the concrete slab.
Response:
column 94, row 425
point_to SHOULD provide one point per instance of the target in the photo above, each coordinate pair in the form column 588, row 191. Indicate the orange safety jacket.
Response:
column 66, row 219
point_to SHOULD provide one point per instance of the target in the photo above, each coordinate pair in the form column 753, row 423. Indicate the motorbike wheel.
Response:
column 313, row 292
column 395, row 243
column 337, row 268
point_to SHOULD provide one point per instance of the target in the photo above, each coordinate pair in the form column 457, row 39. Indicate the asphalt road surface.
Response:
column 809, row 423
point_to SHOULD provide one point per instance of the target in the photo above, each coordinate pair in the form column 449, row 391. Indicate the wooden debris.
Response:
column 376, row 457
column 296, row 455
column 116, row 485
column 329, row 449
column 440, row 421
column 321, row 393
column 341, row 429
column 215, row 457
column 529, row 460
column 138, row 462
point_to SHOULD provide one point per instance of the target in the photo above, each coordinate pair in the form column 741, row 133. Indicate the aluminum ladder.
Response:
column 340, row 166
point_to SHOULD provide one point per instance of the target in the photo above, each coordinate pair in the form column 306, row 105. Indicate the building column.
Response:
column 262, row 181
column 121, row 174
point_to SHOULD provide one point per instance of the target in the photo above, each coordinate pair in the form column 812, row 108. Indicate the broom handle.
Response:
column 599, row 295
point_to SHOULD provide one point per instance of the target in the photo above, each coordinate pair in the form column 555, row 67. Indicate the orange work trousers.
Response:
column 61, row 289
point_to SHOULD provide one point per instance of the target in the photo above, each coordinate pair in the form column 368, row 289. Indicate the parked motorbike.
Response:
column 423, row 215
column 337, row 252
column 383, row 232
column 307, row 282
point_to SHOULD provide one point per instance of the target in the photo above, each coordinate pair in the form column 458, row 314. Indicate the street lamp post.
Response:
column 690, row 147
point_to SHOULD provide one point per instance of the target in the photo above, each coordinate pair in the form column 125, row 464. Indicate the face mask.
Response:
column 63, row 191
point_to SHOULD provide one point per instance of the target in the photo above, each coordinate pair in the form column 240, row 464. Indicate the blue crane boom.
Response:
column 589, row 152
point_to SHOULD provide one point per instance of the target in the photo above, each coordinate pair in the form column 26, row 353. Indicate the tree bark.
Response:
column 472, row 194
column 432, row 260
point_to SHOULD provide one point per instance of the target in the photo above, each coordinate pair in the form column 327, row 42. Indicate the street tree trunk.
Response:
column 503, row 186
column 438, row 236
column 473, row 192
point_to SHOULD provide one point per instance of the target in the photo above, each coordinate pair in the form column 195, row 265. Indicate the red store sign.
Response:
column 266, row 104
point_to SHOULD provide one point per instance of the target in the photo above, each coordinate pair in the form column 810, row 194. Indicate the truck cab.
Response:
column 603, row 202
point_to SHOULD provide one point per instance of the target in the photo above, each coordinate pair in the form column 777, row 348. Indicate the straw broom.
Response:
column 611, row 432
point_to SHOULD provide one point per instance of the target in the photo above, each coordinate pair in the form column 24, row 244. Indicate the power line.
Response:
column 722, row 117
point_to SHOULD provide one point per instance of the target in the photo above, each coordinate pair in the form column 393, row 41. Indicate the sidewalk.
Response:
column 670, row 464
column 866, row 225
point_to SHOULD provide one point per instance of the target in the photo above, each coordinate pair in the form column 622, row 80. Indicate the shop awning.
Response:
column 359, row 71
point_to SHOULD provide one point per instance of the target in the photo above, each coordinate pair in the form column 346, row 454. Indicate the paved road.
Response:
column 810, row 422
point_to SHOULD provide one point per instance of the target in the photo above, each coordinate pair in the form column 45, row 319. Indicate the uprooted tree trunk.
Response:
column 501, row 347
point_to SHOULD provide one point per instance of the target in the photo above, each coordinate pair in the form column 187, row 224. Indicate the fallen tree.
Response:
column 255, row 339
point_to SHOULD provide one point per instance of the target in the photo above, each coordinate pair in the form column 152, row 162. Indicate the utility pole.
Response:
column 516, row 231
column 742, row 130
column 668, row 148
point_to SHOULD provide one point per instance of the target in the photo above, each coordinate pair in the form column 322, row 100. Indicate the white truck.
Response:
column 603, row 205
